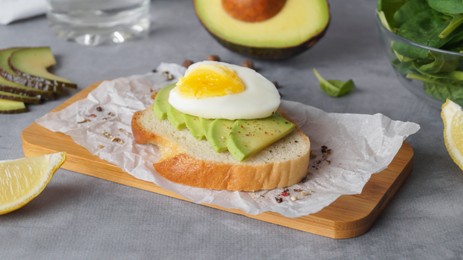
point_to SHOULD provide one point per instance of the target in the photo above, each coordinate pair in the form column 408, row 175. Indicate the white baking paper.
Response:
column 360, row 145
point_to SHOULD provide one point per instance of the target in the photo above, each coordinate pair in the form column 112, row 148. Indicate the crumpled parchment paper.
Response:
column 355, row 146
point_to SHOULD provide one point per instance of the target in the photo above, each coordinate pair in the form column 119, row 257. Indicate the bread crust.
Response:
column 178, row 166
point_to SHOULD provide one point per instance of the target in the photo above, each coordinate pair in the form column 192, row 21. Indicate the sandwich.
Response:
column 219, row 128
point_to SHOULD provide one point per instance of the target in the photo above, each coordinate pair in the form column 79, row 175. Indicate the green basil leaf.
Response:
column 334, row 88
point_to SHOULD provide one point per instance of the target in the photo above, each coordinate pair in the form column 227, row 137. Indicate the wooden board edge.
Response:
column 312, row 223
column 349, row 229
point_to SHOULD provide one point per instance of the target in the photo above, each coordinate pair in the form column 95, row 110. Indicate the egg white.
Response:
column 259, row 99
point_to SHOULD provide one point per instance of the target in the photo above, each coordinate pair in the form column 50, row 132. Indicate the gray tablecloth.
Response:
column 80, row 217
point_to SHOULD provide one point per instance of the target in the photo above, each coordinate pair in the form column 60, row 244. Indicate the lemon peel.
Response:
column 452, row 117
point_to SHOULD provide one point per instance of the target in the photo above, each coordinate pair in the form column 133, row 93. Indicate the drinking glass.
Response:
column 96, row 22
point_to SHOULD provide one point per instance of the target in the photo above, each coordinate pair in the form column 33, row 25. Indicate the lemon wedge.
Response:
column 24, row 179
column 452, row 116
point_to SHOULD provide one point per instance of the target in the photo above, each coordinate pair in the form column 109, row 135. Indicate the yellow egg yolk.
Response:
column 210, row 81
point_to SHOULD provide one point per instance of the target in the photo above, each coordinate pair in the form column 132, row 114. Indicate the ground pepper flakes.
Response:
column 84, row 121
column 285, row 193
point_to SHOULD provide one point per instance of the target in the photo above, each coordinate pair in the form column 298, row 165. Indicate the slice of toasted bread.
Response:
column 188, row 161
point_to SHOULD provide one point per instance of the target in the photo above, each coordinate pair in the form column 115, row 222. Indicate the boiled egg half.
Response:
column 212, row 89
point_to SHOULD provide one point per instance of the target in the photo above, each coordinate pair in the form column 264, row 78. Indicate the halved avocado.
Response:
column 266, row 29
column 11, row 107
column 32, row 63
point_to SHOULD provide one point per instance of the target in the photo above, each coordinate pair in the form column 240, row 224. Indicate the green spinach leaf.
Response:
column 444, row 91
column 424, row 28
column 454, row 23
column 447, row 6
column 407, row 10
column 433, row 23
column 387, row 9
column 441, row 64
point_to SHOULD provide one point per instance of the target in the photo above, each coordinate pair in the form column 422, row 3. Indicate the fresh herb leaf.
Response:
column 456, row 21
column 441, row 64
column 387, row 8
column 444, row 91
column 447, row 6
column 334, row 88
column 424, row 28
column 407, row 10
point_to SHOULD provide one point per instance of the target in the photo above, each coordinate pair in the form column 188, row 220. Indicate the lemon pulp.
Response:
column 452, row 117
column 22, row 180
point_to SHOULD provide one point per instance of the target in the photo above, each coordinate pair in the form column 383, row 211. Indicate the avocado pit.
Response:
column 253, row 10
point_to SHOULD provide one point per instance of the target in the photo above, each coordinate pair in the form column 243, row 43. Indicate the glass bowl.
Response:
column 429, row 73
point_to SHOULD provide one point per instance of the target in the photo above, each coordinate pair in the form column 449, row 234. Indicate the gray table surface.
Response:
column 79, row 217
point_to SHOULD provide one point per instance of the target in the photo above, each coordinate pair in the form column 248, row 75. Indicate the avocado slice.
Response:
column 5, row 70
column 248, row 137
column 218, row 133
column 10, row 81
column 32, row 64
column 176, row 118
column 278, row 29
column 15, row 88
column 11, row 107
column 161, row 102
column 18, row 97
column 193, row 124
column 205, row 123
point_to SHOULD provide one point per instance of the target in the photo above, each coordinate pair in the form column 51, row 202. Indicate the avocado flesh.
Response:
column 251, row 136
column 161, row 104
column 296, row 28
column 205, row 123
column 194, row 125
column 32, row 64
column 7, row 72
column 28, row 83
column 218, row 133
column 242, row 138
column 176, row 118
column 11, row 107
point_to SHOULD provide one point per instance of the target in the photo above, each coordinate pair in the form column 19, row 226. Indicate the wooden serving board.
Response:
column 349, row 216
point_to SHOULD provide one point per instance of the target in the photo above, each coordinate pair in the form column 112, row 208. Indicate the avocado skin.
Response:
column 27, row 91
column 29, row 80
column 268, row 53
column 19, row 97
column 37, row 81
